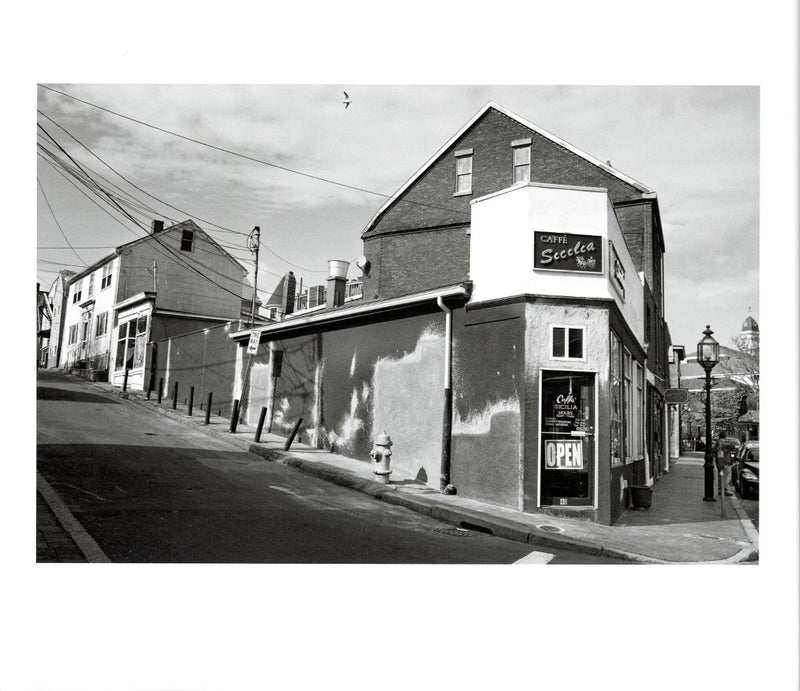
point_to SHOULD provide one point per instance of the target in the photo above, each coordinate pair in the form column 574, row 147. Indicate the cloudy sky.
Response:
column 698, row 147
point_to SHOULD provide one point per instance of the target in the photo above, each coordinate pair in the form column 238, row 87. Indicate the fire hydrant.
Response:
column 381, row 454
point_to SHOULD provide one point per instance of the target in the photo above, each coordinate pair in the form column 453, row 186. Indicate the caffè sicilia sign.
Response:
column 568, row 252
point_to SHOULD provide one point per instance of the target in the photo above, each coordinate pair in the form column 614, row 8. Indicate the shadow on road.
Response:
column 47, row 393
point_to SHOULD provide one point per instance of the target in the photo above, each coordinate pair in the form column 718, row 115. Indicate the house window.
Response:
column 567, row 342
column 186, row 240
column 522, row 161
column 102, row 325
column 76, row 296
column 105, row 280
column 615, row 396
column 73, row 334
column 464, row 171
column 91, row 285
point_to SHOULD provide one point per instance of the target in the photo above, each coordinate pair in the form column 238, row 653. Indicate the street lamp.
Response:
column 708, row 357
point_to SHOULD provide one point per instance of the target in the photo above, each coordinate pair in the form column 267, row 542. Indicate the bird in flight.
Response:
column 347, row 100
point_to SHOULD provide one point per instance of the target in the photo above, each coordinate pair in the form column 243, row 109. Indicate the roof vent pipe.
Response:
column 337, row 279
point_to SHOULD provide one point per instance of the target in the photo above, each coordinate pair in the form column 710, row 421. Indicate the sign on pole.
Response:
column 252, row 346
column 676, row 396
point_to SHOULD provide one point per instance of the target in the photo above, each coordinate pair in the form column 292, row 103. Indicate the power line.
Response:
column 175, row 256
column 246, row 156
column 85, row 179
column 152, row 196
column 41, row 189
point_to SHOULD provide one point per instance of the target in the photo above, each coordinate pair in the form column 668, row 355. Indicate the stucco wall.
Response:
column 488, row 385
column 204, row 359
column 384, row 376
column 541, row 315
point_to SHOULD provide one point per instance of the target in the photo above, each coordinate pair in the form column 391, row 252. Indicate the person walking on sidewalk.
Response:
column 723, row 457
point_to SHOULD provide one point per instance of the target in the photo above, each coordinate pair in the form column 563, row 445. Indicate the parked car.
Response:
column 744, row 471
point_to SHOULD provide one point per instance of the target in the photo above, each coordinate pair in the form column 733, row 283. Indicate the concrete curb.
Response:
column 85, row 543
column 460, row 516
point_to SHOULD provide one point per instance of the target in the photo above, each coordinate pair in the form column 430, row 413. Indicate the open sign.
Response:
column 563, row 454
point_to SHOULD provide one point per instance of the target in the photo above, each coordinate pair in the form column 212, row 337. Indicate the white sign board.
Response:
column 252, row 346
column 563, row 454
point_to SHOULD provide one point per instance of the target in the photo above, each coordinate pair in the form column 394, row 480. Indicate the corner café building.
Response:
column 523, row 387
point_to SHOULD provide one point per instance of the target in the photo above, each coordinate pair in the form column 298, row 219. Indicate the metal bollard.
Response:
column 175, row 396
column 292, row 435
column 235, row 415
column 125, row 380
column 260, row 427
column 191, row 401
column 208, row 409
column 160, row 389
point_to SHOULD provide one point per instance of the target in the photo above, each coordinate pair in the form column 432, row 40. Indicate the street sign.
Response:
column 252, row 346
column 675, row 396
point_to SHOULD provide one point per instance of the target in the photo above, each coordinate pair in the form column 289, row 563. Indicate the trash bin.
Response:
column 641, row 497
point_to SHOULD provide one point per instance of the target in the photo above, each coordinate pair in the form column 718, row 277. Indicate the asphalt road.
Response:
column 148, row 489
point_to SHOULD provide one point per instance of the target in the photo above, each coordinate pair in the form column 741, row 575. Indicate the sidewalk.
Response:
column 679, row 527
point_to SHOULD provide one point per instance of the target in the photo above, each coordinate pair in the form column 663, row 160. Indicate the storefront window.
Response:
column 141, row 341
column 615, row 396
column 131, row 342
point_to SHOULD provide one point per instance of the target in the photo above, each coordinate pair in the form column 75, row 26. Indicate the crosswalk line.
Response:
column 536, row 558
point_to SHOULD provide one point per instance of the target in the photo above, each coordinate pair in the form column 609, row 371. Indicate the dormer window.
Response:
column 186, row 240
column 464, row 171
column 522, row 160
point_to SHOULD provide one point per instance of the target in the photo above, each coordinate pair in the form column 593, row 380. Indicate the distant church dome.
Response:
column 750, row 324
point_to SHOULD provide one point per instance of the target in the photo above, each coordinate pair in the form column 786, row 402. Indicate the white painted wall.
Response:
column 502, row 246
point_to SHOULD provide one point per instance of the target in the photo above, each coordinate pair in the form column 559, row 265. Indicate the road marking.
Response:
column 536, row 558
column 284, row 490
column 85, row 491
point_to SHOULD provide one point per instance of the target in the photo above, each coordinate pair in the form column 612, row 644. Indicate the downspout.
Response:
column 447, row 413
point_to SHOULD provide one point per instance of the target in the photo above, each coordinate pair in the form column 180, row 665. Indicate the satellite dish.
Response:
column 362, row 262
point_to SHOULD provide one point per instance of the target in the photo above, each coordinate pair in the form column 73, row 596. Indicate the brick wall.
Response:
column 404, row 263
column 430, row 201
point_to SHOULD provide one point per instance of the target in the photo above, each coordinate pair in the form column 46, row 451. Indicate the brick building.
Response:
column 510, row 337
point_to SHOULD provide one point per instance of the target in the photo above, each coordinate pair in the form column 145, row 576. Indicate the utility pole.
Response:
column 253, row 243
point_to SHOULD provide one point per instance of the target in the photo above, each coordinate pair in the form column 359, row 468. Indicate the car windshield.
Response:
column 752, row 454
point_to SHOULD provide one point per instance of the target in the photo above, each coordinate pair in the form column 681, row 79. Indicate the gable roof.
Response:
column 491, row 105
column 188, row 224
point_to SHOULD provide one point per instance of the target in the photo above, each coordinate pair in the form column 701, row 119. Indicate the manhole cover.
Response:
column 550, row 528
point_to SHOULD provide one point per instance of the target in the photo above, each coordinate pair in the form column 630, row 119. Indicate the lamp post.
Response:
column 708, row 357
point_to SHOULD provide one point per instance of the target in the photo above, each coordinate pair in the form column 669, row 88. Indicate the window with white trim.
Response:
column 464, row 171
column 102, row 325
column 73, row 335
column 76, row 294
column 187, row 238
column 567, row 343
column 91, row 285
column 105, row 280
column 522, row 162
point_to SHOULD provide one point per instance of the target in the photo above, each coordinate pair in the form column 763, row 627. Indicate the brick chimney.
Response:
column 337, row 280
column 156, row 227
